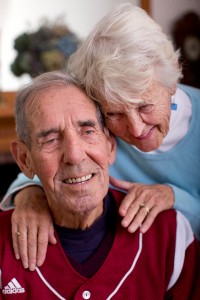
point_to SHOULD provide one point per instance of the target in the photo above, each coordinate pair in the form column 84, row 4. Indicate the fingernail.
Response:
column 32, row 267
column 124, row 223
column 131, row 229
column 40, row 262
column 122, row 212
column 142, row 230
column 25, row 265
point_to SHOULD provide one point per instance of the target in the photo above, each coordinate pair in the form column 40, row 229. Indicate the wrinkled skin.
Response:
column 143, row 125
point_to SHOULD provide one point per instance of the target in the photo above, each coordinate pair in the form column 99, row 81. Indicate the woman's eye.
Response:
column 146, row 108
column 110, row 114
column 113, row 115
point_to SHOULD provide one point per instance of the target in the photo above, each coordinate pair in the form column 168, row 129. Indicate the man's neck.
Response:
column 87, row 249
column 72, row 220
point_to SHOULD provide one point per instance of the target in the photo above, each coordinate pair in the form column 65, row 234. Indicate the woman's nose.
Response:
column 135, row 124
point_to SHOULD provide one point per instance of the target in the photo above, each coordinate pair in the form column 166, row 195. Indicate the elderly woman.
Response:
column 128, row 65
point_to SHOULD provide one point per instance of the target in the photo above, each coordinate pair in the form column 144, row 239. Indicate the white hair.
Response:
column 123, row 54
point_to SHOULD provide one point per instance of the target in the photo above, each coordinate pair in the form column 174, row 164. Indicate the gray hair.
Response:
column 28, row 94
column 123, row 54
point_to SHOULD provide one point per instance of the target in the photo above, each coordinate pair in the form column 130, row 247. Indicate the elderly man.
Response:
column 62, row 140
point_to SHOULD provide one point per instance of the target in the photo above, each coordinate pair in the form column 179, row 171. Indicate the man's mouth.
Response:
column 78, row 179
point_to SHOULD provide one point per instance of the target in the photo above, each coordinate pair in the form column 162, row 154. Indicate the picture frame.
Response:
column 145, row 4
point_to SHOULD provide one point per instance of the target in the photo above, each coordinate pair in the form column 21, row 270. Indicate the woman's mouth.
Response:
column 146, row 135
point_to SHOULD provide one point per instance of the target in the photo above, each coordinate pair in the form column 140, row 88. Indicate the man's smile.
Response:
column 78, row 179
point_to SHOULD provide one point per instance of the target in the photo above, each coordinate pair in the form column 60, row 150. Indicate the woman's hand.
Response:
column 142, row 203
column 32, row 227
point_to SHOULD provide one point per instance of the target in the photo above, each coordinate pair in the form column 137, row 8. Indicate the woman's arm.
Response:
column 19, row 183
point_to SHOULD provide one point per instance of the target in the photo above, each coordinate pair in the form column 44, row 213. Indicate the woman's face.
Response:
column 143, row 124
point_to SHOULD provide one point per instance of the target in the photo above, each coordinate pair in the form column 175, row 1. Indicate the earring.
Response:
column 173, row 104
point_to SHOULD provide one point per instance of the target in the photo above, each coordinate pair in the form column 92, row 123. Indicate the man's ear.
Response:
column 21, row 155
column 112, row 145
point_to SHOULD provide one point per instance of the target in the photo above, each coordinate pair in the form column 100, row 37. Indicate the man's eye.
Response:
column 89, row 131
column 50, row 141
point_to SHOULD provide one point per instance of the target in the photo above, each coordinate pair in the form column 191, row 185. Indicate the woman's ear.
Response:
column 111, row 146
column 174, row 89
column 21, row 155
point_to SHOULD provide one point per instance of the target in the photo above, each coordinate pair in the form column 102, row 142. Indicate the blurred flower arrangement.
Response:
column 46, row 49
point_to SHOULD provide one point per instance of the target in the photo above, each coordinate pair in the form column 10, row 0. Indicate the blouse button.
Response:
column 86, row 295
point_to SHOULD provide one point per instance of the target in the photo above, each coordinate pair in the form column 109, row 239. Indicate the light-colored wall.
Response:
column 165, row 12
column 17, row 16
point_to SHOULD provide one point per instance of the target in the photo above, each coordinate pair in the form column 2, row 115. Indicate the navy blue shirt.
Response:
column 87, row 249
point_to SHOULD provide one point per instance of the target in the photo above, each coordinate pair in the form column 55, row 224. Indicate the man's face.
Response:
column 69, row 151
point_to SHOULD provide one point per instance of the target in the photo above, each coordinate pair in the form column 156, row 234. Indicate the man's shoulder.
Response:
column 117, row 195
column 163, row 217
column 6, row 214
column 167, row 217
column 5, row 218
column 6, row 235
column 168, row 223
column 169, row 214
column 173, row 227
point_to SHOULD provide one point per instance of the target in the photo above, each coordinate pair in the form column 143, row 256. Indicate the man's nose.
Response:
column 73, row 150
column 135, row 123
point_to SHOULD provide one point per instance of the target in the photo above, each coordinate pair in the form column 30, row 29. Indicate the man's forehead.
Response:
column 60, row 96
column 77, row 112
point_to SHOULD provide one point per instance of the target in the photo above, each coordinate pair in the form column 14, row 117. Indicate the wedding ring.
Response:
column 142, row 205
column 146, row 208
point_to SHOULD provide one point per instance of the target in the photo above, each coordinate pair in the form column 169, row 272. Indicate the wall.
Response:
column 26, row 15
column 80, row 15
column 165, row 12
